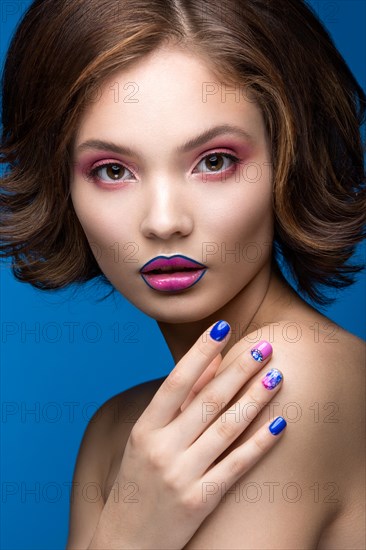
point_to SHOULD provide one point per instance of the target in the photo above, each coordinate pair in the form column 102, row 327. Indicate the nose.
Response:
column 167, row 212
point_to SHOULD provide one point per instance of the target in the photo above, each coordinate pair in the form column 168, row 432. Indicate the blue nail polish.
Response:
column 277, row 425
column 220, row 330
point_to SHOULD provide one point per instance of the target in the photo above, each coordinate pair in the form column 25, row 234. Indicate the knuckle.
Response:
column 174, row 381
column 250, row 410
column 137, row 436
column 210, row 395
column 157, row 458
column 204, row 349
column 173, row 481
column 261, row 441
column 254, row 397
column 240, row 369
column 192, row 502
column 237, row 465
column 226, row 430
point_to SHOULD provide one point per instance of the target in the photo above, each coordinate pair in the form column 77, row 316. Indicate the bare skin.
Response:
column 312, row 485
column 307, row 491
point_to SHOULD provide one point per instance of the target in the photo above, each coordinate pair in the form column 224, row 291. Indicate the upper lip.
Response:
column 171, row 263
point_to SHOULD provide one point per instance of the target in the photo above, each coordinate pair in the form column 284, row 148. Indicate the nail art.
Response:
column 261, row 351
column 277, row 425
column 220, row 330
column 272, row 379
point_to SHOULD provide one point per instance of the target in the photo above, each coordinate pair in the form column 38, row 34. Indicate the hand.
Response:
column 170, row 456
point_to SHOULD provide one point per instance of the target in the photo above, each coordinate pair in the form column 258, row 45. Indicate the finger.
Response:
column 174, row 390
column 205, row 377
column 227, row 428
column 208, row 404
column 229, row 470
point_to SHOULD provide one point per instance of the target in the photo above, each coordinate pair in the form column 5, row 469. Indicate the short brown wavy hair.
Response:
column 312, row 105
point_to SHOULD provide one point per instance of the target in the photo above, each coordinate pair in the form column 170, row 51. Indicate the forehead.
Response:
column 172, row 93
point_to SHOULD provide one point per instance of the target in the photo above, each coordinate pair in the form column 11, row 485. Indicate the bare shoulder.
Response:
column 322, row 356
column 120, row 413
column 110, row 426
column 124, row 408
column 99, row 457
column 324, row 369
column 312, row 483
column 323, row 401
column 328, row 364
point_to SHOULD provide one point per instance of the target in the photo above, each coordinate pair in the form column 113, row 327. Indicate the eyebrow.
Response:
column 186, row 147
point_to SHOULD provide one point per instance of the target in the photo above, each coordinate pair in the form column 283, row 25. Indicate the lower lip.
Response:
column 171, row 282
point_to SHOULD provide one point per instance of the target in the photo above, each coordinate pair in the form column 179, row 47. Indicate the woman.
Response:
column 205, row 140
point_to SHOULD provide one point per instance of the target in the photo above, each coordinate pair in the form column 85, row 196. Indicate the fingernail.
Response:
column 220, row 330
column 277, row 425
column 272, row 379
column 261, row 351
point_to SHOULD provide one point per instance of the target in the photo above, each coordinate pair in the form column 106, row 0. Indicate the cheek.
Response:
column 96, row 226
column 97, row 220
column 241, row 234
column 110, row 238
column 245, row 219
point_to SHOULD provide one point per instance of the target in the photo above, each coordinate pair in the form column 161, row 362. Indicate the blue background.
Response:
column 81, row 353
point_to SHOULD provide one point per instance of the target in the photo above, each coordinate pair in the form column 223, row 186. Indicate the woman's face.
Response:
column 170, row 190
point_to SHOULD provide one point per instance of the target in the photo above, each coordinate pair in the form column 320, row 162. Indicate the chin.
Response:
column 173, row 315
column 184, row 317
column 187, row 306
column 174, row 311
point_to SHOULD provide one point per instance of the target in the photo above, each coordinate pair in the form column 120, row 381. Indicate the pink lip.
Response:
column 178, row 261
column 172, row 280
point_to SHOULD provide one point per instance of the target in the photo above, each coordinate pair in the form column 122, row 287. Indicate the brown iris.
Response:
column 216, row 162
column 114, row 171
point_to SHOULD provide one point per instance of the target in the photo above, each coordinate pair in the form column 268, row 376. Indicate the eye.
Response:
column 215, row 162
column 114, row 171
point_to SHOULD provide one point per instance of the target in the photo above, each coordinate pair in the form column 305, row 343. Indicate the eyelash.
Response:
column 92, row 174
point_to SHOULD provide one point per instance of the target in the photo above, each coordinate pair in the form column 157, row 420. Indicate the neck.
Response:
column 261, row 302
